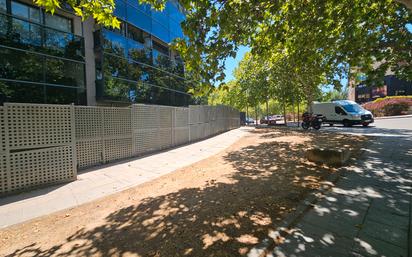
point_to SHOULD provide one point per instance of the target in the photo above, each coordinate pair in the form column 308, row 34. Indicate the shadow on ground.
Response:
column 223, row 217
column 368, row 212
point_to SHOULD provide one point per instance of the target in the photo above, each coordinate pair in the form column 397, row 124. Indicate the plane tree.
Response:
column 369, row 35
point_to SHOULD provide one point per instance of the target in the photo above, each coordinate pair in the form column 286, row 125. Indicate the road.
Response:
column 381, row 127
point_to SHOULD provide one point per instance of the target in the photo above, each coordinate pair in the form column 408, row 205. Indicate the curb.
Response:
column 394, row 117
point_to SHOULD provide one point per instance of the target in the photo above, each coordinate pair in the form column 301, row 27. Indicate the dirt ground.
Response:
column 221, row 206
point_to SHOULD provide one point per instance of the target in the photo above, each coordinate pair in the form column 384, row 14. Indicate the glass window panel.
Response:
column 135, row 33
column 4, row 27
column 161, row 17
column 161, row 96
column 21, row 92
column 178, row 84
column 115, row 66
column 138, row 52
column 143, row 93
column 20, row 65
column 34, row 14
column 120, row 10
column 175, row 11
column 114, row 43
column 135, row 71
column 61, row 95
column 139, row 19
column 3, row 6
column 26, row 33
column 25, row 11
column 58, row 22
column 176, row 30
column 180, row 99
column 116, row 89
column 160, row 31
column 162, row 61
column 160, row 79
column 20, row 10
column 62, row 72
column 57, row 41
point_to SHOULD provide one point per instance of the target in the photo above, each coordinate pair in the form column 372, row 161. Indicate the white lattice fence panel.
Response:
column 181, row 135
column 2, row 131
column 35, row 126
column 146, row 141
column 182, row 117
column 117, row 148
column 206, row 128
column 88, row 122
column 165, row 128
column 117, row 122
column 181, row 129
column 89, row 133
column 40, row 167
column 145, row 117
column 194, row 114
column 195, row 132
column 4, row 180
column 89, row 153
column 145, row 124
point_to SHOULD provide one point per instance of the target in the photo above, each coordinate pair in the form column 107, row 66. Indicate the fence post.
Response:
column 73, row 132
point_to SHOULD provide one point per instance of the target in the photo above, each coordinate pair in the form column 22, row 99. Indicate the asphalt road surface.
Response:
column 381, row 127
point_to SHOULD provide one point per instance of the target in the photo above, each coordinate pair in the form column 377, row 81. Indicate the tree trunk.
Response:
column 267, row 109
column 298, row 115
column 284, row 112
column 256, row 114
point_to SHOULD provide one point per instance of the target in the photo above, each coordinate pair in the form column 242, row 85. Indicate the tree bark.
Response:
column 284, row 111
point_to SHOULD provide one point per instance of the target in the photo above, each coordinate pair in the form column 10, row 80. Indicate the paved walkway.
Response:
column 107, row 180
column 367, row 213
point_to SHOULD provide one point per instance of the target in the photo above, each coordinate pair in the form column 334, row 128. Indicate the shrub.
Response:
column 389, row 105
column 395, row 109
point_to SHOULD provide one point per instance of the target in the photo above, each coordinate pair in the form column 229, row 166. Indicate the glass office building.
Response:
column 44, row 59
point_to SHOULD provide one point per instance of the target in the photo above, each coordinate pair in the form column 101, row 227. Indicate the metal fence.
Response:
column 46, row 144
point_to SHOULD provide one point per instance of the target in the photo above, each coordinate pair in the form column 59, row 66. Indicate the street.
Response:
column 381, row 127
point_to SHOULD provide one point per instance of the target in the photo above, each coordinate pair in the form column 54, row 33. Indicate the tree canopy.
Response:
column 312, row 40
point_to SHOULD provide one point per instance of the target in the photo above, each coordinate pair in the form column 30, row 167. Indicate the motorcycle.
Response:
column 310, row 120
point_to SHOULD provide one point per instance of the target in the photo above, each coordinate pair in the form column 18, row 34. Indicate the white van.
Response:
column 343, row 112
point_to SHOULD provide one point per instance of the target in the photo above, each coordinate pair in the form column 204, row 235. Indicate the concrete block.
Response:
column 329, row 156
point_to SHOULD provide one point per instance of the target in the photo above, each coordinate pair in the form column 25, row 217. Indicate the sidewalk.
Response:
column 102, row 181
column 367, row 213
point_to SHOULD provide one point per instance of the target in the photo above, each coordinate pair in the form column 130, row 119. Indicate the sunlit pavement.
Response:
column 368, row 212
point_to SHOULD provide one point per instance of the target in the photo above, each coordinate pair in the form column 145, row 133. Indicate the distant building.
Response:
column 392, row 86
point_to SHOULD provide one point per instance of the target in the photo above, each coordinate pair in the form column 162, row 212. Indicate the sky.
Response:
column 232, row 63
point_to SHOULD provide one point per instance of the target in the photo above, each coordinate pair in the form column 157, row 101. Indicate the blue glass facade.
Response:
column 135, row 64
column 44, row 56
column 42, row 61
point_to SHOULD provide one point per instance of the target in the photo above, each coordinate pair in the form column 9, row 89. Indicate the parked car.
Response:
column 271, row 120
column 343, row 112
column 249, row 121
